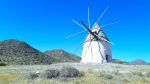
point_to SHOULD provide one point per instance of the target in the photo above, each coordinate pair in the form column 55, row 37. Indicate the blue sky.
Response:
column 44, row 24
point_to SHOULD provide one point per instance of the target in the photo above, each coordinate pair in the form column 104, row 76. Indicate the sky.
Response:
column 44, row 24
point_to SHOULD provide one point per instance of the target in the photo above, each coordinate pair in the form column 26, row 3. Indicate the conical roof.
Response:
column 96, row 28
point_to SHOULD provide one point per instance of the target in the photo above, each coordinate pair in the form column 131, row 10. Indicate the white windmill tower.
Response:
column 96, row 46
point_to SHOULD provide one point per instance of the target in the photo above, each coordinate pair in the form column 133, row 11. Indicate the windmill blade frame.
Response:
column 74, row 52
column 89, row 30
column 102, row 14
column 79, row 24
column 109, row 24
column 106, row 40
column 94, row 34
column 88, row 48
column 75, row 34
column 96, row 45
column 99, row 49
column 89, row 17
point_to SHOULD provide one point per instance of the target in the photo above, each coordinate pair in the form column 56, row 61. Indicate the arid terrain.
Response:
column 89, row 73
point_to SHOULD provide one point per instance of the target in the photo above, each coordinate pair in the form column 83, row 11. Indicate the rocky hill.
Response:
column 63, row 56
column 19, row 52
column 15, row 52
column 138, row 62
column 117, row 61
column 134, row 62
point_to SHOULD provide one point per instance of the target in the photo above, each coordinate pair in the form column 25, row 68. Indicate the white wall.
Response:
column 96, row 52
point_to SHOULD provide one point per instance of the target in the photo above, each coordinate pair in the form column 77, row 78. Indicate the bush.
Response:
column 34, row 75
column 81, row 74
column 3, row 64
column 63, row 73
column 146, row 74
column 69, row 72
column 107, row 76
column 136, row 74
column 52, row 74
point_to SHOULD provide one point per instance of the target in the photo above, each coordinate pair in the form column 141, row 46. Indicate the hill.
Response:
column 117, row 61
column 134, row 62
column 20, row 53
column 138, row 62
column 62, row 55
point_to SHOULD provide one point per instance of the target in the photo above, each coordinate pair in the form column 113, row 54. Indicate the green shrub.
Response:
column 3, row 64
column 52, row 74
column 81, row 74
column 137, row 74
column 69, row 72
column 34, row 75
column 108, row 76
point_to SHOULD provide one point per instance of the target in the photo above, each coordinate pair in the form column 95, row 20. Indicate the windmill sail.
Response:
column 96, row 46
column 96, row 50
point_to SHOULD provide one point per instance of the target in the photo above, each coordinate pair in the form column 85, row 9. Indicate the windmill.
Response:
column 96, row 46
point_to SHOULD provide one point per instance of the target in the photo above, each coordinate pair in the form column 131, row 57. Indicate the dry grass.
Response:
column 88, row 78
column 9, row 77
column 117, row 75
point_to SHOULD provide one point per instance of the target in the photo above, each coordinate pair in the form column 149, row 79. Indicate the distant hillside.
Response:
column 118, row 61
column 135, row 62
column 63, row 56
column 138, row 62
column 19, row 52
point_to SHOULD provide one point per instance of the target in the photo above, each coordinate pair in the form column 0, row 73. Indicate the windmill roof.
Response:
column 96, row 28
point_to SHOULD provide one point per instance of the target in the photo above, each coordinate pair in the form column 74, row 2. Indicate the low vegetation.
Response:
column 107, row 74
column 65, row 72
column 52, row 73
column 88, row 78
column 69, row 72
column 3, row 64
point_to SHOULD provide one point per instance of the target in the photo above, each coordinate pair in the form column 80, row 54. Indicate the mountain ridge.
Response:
column 16, row 52
column 62, row 56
